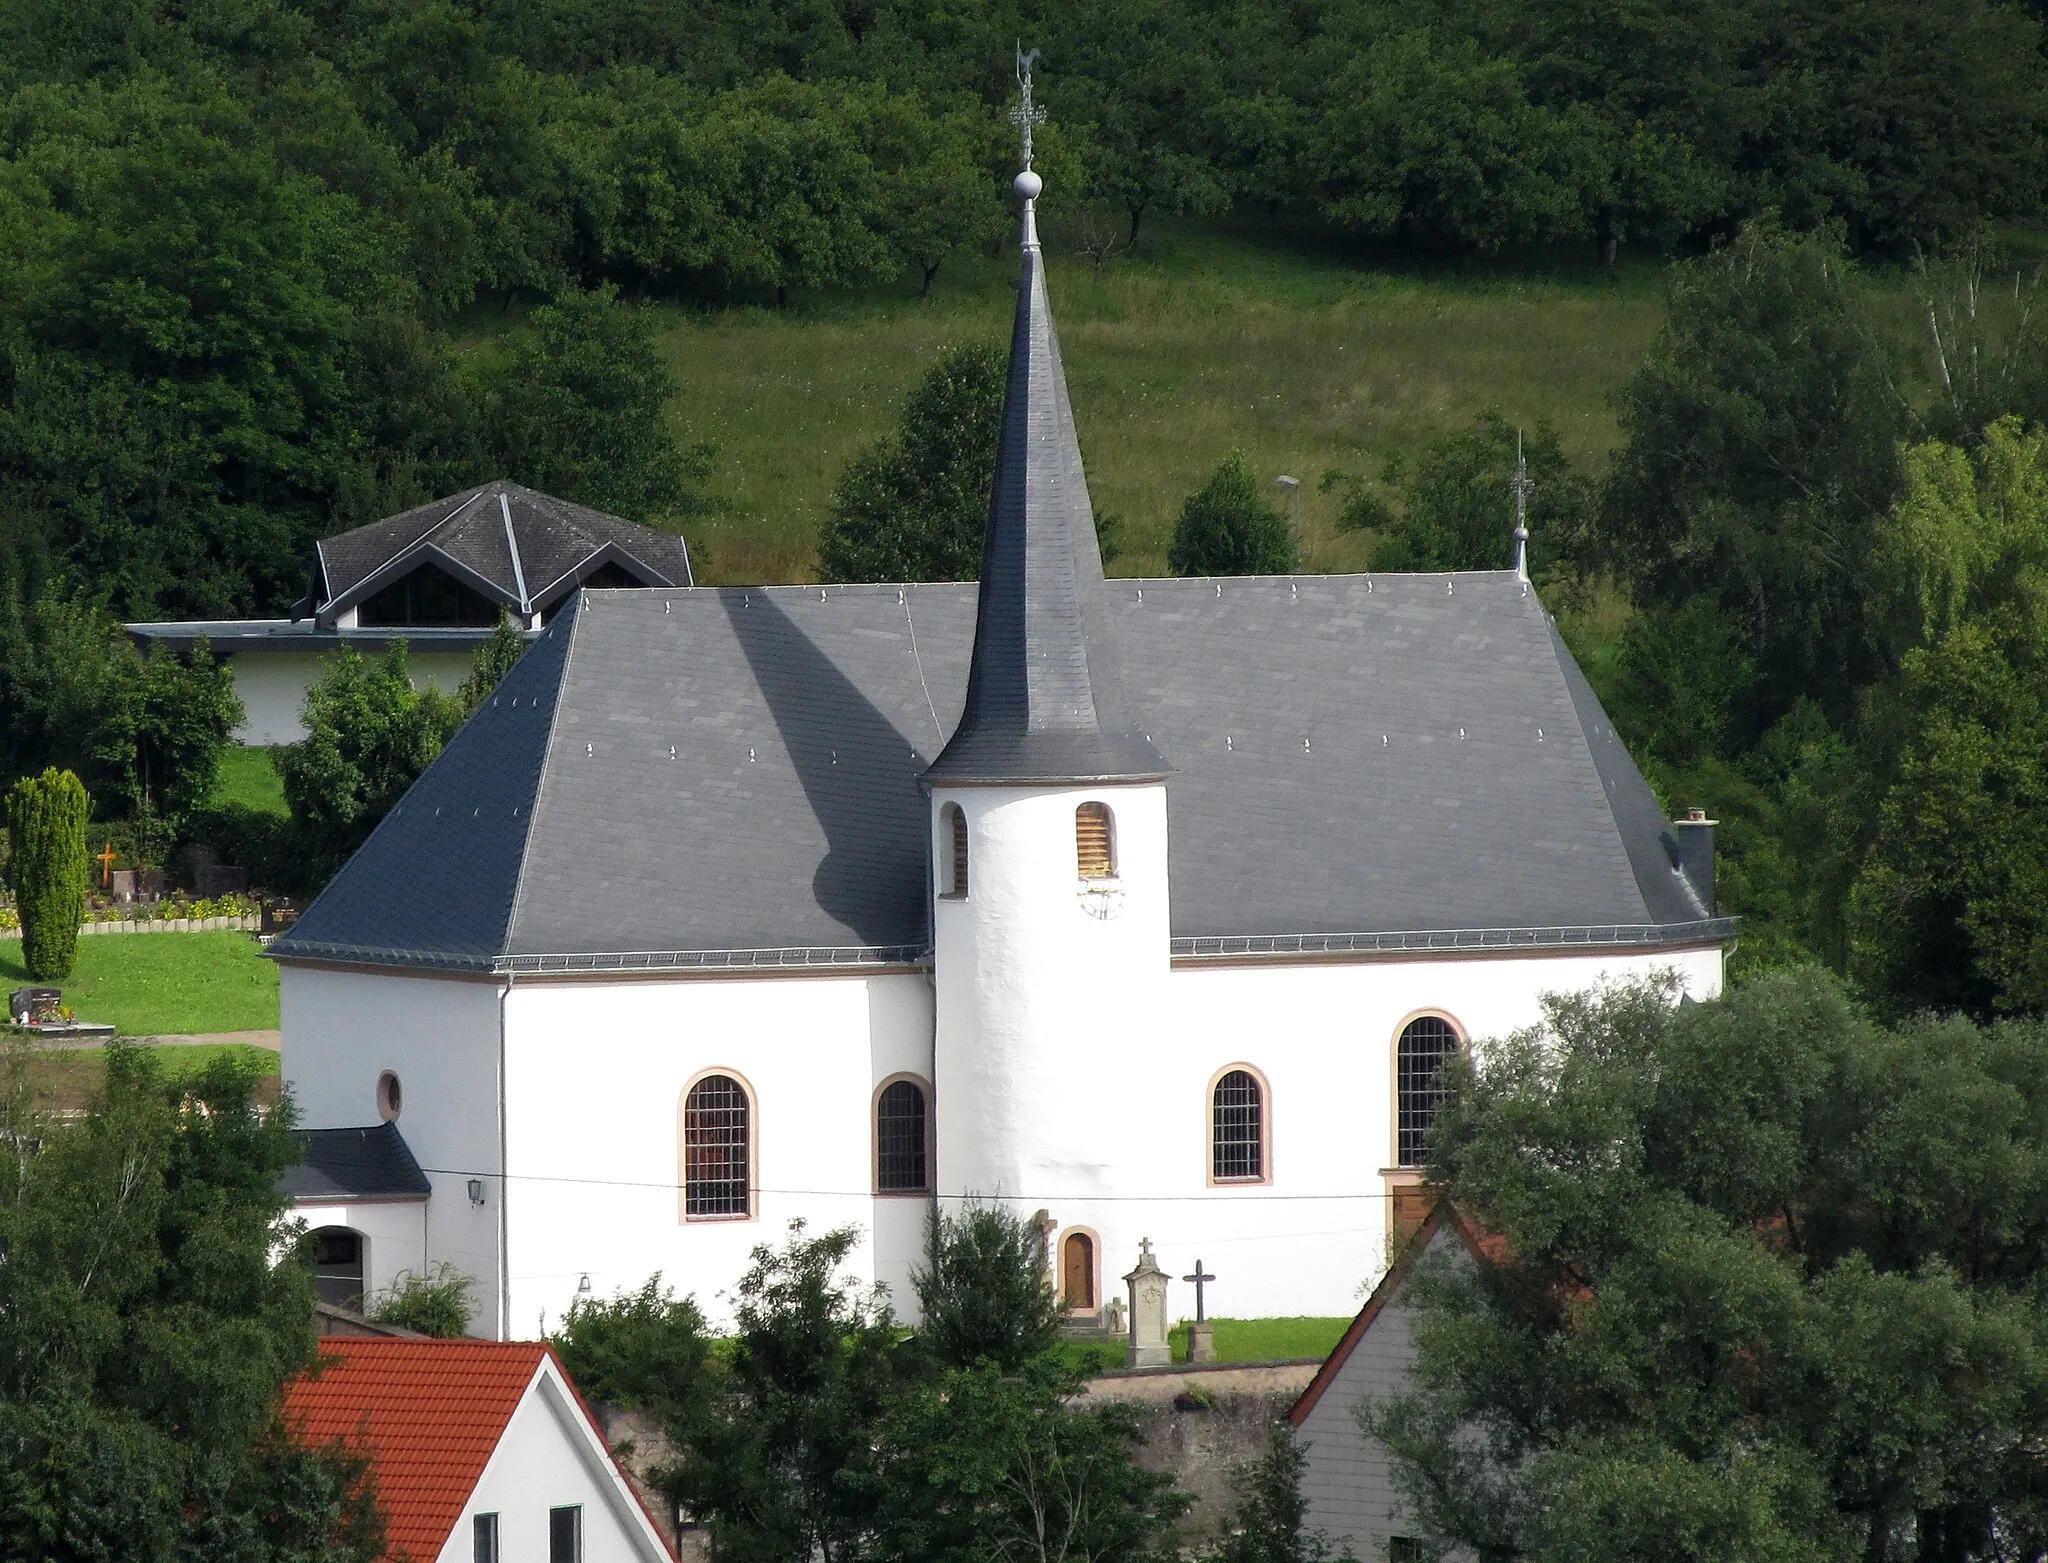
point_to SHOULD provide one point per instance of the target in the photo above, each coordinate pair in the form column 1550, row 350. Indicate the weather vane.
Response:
column 1521, row 486
column 1027, row 113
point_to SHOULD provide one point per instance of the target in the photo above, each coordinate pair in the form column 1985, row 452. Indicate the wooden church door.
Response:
column 1077, row 1270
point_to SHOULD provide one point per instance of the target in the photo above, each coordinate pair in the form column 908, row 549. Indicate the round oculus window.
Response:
column 390, row 1096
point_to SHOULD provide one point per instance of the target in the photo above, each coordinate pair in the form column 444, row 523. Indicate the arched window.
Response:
column 902, row 1161
column 338, row 1267
column 1427, row 1043
column 1077, row 1271
column 1237, row 1129
column 1094, row 847
column 717, row 1141
column 954, row 878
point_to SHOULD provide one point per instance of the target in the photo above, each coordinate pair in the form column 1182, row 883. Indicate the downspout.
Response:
column 504, row 1181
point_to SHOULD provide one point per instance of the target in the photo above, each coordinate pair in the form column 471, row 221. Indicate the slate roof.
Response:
column 522, row 548
column 731, row 778
column 1044, row 699
column 365, row 1164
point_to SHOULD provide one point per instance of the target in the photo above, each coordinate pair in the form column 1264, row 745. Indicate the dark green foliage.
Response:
column 581, row 412
column 1458, row 508
column 983, row 1290
column 1770, row 1285
column 781, row 1468
column 1226, row 527
column 48, row 868
column 912, row 507
column 166, row 724
column 435, row 1302
column 493, row 660
column 646, row 1349
column 1270, row 1524
column 369, row 734
column 145, row 1334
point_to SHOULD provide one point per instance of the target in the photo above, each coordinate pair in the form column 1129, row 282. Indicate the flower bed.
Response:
column 170, row 909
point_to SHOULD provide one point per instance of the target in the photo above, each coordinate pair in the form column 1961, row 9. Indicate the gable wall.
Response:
column 341, row 1030
column 596, row 1075
column 542, row 1462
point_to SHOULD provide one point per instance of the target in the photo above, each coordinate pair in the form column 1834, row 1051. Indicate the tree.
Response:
column 148, row 1326
column 46, row 818
column 647, row 1349
column 434, row 1302
column 1951, row 909
column 493, row 660
column 1759, row 464
column 1271, row 1521
column 1227, row 528
column 912, row 507
column 581, row 412
column 1764, row 1286
column 983, row 1290
column 369, row 734
column 781, row 1467
column 162, row 736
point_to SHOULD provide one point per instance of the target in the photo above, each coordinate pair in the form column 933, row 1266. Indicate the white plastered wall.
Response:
column 395, row 1233
column 596, row 1075
column 273, row 685
column 550, row 1457
column 343, row 1029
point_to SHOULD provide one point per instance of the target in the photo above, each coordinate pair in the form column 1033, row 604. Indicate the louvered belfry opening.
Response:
column 900, row 1161
column 1092, row 846
column 1238, row 1129
column 716, row 1131
column 956, row 818
column 1426, row 1045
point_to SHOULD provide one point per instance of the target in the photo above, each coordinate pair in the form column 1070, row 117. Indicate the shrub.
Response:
column 46, row 818
column 984, row 1291
column 646, row 1348
column 1227, row 528
column 435, row 1303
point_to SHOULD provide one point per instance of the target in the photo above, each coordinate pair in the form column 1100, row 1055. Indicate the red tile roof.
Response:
column 430, row 1411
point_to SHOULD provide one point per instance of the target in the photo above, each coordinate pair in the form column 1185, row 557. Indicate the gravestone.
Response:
column 150, row 884
column 121, row 885
column 1149, row 1347
column 1201, row 1334
column 218, row 879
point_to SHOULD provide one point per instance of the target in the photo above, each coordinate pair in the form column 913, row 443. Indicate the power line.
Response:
column 1088, row 1199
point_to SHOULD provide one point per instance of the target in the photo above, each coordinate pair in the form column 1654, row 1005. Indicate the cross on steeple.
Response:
column 1521, row 485
column 1200, row 1280
column 1026, row 114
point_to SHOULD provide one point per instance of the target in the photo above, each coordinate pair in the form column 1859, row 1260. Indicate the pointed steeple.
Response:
column 1043, row 703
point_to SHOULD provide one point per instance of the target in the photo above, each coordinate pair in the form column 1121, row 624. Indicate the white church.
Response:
column 1153, row 906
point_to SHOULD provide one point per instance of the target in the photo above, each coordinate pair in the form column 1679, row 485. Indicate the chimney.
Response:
column 1696, row 854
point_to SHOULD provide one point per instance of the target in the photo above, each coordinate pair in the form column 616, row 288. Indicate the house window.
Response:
column 1237, row 1129
column 1093, row 846
column 429, row 595
column 338, row 1267
column 1426, row 1045
column 565, row 1534
column 716, row 1144
column 483, row 1534
column 1077, row 1271
column 901, row 1161
column 955, row 878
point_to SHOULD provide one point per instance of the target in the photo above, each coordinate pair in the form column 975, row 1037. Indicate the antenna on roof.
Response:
column 1521, row 485
column 1027, row 115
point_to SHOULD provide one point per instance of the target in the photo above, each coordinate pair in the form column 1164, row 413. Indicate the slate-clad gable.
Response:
column 1359, row 762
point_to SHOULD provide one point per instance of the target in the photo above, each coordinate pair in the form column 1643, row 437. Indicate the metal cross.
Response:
column 1200, row 1281
column 1521, row 486
column 1026, row 114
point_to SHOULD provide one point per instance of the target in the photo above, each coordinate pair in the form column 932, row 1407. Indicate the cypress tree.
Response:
column 46, row 818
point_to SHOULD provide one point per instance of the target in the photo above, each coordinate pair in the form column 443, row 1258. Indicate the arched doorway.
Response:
column 1077, row 1272
column 338, row 1267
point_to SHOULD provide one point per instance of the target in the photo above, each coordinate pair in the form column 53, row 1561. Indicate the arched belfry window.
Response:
column 1094, row 841
column 1237, row 1128
column 902, row 1143
column 953, row 875
column 1426, row 1045
column 717, row 1148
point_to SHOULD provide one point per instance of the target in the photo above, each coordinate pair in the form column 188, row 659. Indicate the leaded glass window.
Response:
column 1425, row 1046
column 716, row 1131
column 1238, row 1129
column 900, row 1139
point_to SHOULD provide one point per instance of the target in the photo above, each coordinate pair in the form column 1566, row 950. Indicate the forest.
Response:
column 254, row 256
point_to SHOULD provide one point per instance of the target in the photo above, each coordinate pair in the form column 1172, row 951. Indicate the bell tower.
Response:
column 1049, row 836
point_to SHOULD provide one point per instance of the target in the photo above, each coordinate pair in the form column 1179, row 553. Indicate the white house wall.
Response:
column 596, row 1073
column 548, row 1458
column 343, row 1029
column 273, row 685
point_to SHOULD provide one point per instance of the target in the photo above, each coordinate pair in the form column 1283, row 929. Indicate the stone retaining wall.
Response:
column 248, row 924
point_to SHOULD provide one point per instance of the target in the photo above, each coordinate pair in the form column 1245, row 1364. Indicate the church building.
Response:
column 1148, row 907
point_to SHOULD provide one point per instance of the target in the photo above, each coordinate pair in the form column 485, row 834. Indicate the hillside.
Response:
column 1308, row 355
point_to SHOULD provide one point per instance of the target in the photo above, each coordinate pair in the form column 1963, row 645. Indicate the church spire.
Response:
column 1043, row 703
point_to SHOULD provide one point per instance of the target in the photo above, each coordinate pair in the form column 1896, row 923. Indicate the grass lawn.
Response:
column 165, row 983
column 246, row 777
column 1237, row 1340
column 67, row 1081
column 1309, row 355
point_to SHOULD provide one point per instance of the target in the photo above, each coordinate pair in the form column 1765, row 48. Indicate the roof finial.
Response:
column 1028, row 114
column 1521, row 484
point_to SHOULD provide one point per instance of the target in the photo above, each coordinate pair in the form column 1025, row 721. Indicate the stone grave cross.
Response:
column 1200, row 1281
column 1201, row 1334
